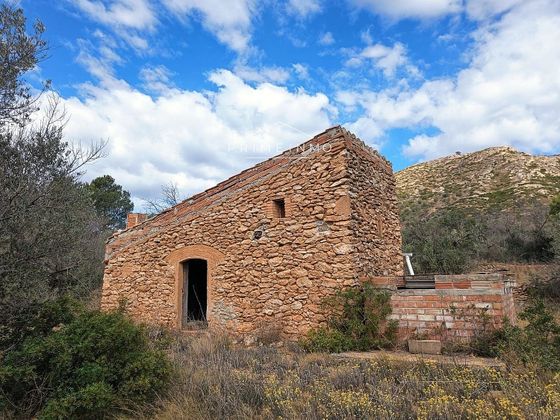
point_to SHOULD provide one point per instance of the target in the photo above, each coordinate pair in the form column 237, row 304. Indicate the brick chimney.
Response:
column 133, row 219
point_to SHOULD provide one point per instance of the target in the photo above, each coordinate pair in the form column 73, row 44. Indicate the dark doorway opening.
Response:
column 195, row 293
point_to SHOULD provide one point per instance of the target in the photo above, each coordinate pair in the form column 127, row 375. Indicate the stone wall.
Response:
column 376, row 228
column 458, row 307
column 262, row 269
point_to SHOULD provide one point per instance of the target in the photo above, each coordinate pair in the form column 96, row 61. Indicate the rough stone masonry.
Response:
column 265, row 247
column 276, row 239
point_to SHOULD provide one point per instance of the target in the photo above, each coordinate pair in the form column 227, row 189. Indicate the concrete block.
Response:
column 424, row 346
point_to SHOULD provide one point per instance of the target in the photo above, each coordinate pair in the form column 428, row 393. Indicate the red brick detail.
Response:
column 175, row 258
column 133, row 219
column 454, row 310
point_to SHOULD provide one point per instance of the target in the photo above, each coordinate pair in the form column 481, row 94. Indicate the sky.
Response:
column 191, row 92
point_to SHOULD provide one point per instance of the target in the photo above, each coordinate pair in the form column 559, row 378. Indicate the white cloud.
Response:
column 230, row 22
column 262, row 74
column 192, row 138
column 401, row 9
column 127, row 18
column 366, row 128
column 387, row 59
column 326, row 39
column 301, row 70
column 303, row 8
column 509, row 94
column 99, row 58
column 156, row 79
column 483, row 9
column 135, row 14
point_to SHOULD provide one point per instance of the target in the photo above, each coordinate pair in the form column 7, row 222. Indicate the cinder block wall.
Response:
column 458, row 307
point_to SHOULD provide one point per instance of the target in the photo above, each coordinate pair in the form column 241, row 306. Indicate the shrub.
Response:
column 537, row 344
column 447, row 243
column 216, row 380
column 546, row 286
column 452, row 241
column 92, row 366
column 38, row 320
column 326, row 340
column 357, row 322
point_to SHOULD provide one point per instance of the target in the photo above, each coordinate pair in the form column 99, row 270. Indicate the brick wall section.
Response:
column 453, row 309
column 278, row 279
column 376, row 225
column 134, row 219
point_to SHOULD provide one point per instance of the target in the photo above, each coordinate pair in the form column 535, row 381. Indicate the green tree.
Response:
column 553, row 227
column 51, row 240
column 19, row 53
column 555, row 206
column 447, row 243
column 111, row 202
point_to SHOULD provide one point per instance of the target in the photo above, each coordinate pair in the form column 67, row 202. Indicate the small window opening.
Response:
column 279, row 208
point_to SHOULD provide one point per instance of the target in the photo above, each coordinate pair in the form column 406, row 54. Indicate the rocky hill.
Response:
column 497, row 178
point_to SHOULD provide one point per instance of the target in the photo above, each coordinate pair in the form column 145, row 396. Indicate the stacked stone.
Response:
column 376, row 225
column 264, row 269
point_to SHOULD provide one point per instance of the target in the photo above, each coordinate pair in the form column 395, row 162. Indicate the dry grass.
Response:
column 218, row 380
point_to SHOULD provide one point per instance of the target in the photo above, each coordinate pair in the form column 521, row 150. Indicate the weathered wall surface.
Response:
column 376, row 229
column 458, row 307
column 278, row 279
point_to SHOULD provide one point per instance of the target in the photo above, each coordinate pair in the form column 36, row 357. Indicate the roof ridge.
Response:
column 238, row 177
column 351, row 136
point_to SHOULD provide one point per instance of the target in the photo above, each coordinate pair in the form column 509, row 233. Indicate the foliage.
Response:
column 218, row 380
column 554, row 226
column 447, row 243
column 111, row 202
column 75, row 363
column 19, row 53
column 51, row 240
column 520, row 235
column 454, row 241
column 537, row 345
column 546, row 286
column 357, row 321
column 555, row 206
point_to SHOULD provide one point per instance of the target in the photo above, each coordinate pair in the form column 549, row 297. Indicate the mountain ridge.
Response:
column 496, row 178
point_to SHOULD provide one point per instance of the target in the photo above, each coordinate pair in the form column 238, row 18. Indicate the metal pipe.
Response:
column 407, row 256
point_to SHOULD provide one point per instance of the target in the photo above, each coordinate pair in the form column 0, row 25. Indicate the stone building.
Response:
column 265, row 246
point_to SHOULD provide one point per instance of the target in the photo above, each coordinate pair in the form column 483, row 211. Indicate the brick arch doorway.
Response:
column 194, row 299
column 176, row 258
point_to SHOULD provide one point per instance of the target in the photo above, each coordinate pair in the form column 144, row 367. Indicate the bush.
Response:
column 547, row 286
column 452, row 241
column 447, row 243
column 216, row 380
column 38, row 320
column 326, row 340
column 357, row 322
column 537, row 344
column 93, row 365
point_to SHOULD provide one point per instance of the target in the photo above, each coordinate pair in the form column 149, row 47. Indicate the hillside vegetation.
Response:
column 498, row 178
column 218, row 380
column 496, row 205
